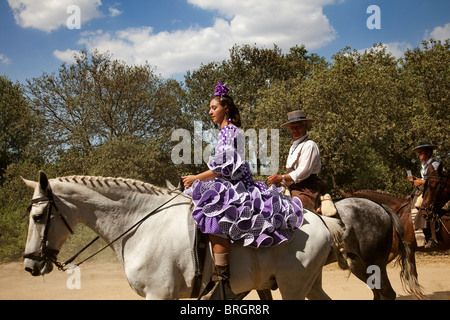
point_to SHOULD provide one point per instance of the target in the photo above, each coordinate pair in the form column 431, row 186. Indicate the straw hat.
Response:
column 296, row 116
column 425, row 145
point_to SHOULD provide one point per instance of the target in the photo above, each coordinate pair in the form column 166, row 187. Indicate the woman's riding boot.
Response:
column 222, row 289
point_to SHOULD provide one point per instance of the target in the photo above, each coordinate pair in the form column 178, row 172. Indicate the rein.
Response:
column 51, row 254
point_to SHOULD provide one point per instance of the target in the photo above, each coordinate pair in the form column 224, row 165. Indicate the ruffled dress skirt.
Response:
column 261, row 218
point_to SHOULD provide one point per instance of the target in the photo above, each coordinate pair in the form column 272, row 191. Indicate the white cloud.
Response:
column 49, row 15
column 67, row 55
column 4, row 59
column 261, row 22
column 114, row 12
column 397, row 49
column 439, row 33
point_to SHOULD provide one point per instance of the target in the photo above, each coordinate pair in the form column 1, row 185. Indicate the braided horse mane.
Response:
column 104, row 183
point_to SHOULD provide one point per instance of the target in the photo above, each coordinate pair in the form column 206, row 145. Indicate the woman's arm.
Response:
column 207, row 175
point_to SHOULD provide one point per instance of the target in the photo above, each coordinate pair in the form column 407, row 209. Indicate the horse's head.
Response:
column 48, row 229
column 436, row 190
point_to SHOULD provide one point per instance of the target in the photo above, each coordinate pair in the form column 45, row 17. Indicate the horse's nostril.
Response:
column 32, row 271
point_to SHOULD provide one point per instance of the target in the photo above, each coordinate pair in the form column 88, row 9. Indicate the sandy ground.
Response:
column 107, row 281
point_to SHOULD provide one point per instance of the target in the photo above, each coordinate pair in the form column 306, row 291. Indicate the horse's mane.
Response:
column 95, row 183
column 383, row 193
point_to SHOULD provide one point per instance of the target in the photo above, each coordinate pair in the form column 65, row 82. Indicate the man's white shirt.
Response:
column 309, row 162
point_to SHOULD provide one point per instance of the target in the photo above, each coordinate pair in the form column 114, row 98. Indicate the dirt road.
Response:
column 107, row 281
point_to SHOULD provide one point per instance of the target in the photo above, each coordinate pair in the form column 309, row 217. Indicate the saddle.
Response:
column 198, row 244
column 312, row 193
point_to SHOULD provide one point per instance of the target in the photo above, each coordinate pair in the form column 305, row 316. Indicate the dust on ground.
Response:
column 107, row 281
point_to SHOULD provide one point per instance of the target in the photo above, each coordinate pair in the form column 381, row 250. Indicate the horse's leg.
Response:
column 380, row 285
column 297, row 288
column 316, row 292
column 361, row 270
column 386, row 291
column 265, row 294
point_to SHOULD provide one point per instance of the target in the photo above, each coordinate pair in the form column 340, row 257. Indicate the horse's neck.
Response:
column 107, row 211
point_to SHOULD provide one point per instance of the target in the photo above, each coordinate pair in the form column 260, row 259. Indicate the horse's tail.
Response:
column 407, row 275
column 336, row 229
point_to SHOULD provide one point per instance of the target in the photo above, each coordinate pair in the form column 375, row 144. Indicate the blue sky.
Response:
column 178, row 35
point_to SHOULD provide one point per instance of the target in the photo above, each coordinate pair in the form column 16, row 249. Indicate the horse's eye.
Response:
column 37, row 218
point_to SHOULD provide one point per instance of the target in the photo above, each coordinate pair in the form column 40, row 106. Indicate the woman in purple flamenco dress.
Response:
column 231, row 206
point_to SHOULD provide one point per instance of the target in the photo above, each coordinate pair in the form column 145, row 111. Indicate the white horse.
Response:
column 156, row 255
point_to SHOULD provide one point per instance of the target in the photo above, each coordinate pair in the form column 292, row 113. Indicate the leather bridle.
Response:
column 46, row 253
column 433, row 208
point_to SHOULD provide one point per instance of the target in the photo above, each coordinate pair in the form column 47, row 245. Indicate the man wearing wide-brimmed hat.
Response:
column 303, row 162
column 424, row 152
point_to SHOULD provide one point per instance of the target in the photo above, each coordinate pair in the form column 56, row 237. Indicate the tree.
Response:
column 99, row 104
column 427, row 69
column 248, row 70
column 16, row 124
column 97, row 100
column 359, row 106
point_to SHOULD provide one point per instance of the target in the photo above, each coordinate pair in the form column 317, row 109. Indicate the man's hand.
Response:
column 275, row 179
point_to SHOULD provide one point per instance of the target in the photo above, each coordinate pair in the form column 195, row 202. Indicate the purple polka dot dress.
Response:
column 239, row 207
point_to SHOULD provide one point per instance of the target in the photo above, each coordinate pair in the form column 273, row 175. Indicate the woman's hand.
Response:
column 207, row 175
column 188, row 180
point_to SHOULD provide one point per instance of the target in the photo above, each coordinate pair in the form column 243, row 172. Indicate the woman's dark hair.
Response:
column 227, row 101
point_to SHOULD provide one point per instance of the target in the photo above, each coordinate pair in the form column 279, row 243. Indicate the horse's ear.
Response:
column 43, row 181
column 440, row 168
column 170, row 186
column 29, row 183
column 352, row 191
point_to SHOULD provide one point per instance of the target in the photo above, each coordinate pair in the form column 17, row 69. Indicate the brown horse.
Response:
column 436, row 194
column 402, row 207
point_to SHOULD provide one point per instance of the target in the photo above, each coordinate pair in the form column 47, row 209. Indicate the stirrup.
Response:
column 431, row 244
column 222, row 289
column 218, row 288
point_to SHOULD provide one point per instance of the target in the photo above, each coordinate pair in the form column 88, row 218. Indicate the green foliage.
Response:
column 102, row 117
column 16, row 124
column 370, row 111
column 14, row 199
column 428, row 70
column 248, row 70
